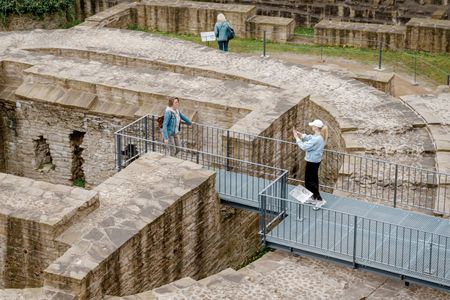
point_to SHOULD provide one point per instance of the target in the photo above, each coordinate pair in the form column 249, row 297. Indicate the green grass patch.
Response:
column 305, row 31
column 79, row 182
column 260, row 253
column 434, row 66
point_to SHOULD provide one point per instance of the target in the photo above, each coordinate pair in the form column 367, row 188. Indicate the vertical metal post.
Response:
column 262, row 221
column 146, row 133
column 119, row 151
column 153, row 133
column 264, row 43
column 228, row 150
column 395, row 185
column 431, row 250
column 415, row 69
column 380, row 55
column 283, row 194
column 321, row 52
column 354, row 240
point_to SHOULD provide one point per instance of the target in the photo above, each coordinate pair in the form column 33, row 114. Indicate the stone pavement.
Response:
column 379, row 120
column 278, row 275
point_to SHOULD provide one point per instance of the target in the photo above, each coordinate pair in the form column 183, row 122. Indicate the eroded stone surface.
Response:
column 278, row 275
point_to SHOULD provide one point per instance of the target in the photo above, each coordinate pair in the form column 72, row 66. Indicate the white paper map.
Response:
column 300, row 193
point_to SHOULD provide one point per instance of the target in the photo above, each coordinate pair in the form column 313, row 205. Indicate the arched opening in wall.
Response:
column 42, row 156
column 76, row 139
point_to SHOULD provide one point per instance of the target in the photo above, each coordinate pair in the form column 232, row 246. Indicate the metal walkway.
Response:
column 412, row 246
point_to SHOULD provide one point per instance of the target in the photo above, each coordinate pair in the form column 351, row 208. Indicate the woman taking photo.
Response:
column 313, row 146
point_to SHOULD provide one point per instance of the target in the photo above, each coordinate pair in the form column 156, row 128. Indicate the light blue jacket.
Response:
column 313, row 146
column 220, row 30
column 170, row 123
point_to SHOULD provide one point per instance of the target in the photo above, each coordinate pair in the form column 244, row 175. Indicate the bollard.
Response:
column 380, row 55
column 264, row 43
column 415, row 70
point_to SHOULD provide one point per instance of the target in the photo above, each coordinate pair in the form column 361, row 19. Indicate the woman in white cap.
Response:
column 313, row 146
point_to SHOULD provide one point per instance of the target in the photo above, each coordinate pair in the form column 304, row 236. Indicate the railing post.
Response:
column 415, row 69
column 355, row 224
column 264, row 43
column 119, row 151
column 283, row 194
column 146, row 133
column 380, row 55
column 395, row 185
column 153, row 133
column 228, row 151
column 262, row 216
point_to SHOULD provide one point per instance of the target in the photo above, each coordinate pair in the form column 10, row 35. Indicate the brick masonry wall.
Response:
column 55, row 124
column 166, row 228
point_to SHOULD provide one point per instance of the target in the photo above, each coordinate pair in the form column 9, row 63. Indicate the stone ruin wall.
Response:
column 310, row 13
column 55, row 125
column 81, row 10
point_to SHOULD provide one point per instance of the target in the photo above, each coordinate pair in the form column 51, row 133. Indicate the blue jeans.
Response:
column 223, row 45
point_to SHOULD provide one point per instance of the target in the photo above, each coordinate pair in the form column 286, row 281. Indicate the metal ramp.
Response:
column 414, row 246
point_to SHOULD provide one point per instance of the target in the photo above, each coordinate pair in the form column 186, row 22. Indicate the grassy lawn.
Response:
column 434, row 66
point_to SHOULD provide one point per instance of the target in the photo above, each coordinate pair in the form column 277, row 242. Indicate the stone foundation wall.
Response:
column 191, row 17
column 165, row 228
column 359, row 35
column 428, row 35
column 119, row 16
column 309, row 13
column 87, row 8
column 26, row 22
column 418, row 34
column 24, row 122
column 32, row 214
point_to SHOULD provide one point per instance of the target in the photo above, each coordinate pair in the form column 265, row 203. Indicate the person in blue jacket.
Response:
column 313, row 145
column 221, row 32
column 172, row 125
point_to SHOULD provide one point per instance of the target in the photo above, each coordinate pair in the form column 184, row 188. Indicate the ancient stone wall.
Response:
column 30, row 121
column 165, row 222
column 27, row 22
column 87, row 8
column 428, row 35
column 32, row 215
column 418, row 34
column 191, row 17
column 337, row 33
column 309, row 13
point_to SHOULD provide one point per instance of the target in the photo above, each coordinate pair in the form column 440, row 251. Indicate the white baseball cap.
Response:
column 316, row 123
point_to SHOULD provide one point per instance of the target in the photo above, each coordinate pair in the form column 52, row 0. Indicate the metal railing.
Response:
column 362, row 241
column 359, row 176
column 393, row 248
column 235, row 178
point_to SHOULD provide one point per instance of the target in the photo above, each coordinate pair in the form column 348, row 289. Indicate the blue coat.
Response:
column 313, row 146
column 221, row 31
column 170, row 123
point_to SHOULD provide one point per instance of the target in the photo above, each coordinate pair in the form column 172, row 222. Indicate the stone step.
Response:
column 21, row 294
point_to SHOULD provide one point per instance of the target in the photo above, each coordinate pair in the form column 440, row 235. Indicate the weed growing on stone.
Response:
column 79, row 183
column 260, row 253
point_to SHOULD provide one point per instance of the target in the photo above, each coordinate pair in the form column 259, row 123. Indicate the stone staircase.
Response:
column 278, row 275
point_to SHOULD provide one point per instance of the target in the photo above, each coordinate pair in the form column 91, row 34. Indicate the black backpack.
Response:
column 230, row 33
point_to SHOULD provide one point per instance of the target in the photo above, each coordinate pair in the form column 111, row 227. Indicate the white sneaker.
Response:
column 310, row 201
column 319, row 204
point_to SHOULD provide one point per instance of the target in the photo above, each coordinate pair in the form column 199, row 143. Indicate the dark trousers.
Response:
column 223, row 45
column 312, row 179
